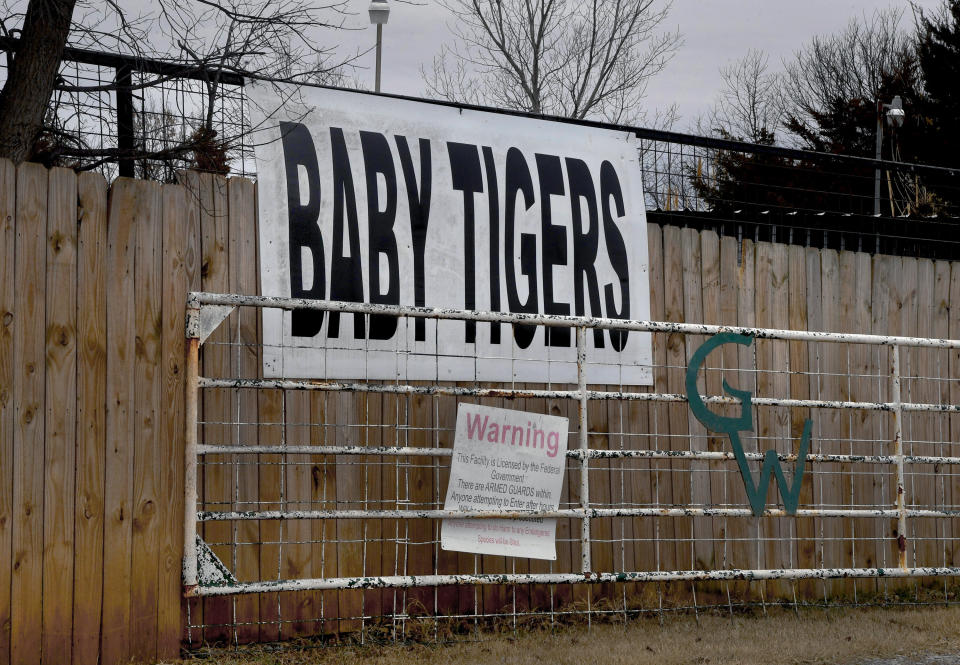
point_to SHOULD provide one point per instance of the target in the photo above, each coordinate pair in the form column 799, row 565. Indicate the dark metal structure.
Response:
column 116, row 112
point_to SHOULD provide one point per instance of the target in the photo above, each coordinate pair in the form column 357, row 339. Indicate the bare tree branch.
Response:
column 557, row 57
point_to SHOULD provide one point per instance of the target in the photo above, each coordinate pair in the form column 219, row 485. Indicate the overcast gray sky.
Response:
column 715, row 33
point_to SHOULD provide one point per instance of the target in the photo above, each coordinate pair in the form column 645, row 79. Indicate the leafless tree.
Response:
column 558, row 57
column 854, row 65
column 749, row 106
column 274, row 39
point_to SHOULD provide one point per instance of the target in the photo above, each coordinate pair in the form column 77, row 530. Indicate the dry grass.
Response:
column 816, row 636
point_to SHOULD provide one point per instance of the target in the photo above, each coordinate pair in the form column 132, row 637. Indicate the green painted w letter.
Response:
column 756, row 494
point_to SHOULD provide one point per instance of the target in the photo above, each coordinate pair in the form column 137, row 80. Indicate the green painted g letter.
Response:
column 732, row 426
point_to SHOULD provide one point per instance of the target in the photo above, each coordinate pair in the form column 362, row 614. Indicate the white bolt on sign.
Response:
column 508, row 461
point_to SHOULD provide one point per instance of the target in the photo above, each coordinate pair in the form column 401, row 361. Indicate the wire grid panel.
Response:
column 333, row 490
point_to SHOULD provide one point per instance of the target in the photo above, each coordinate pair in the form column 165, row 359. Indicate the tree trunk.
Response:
column 32, row 75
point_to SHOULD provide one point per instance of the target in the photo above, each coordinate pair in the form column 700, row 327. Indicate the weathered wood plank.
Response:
column 126, row 198
column 324, row 480
column 765, row 419
column 29, row 407
column 179, row 273
column 749, row 555
column 698, row 477
column 216, row 361
column 883, row 297
column 148, row 454
column 60, row 415
column 800, row 389
column 193, row 267
column 658, row 418
column 8, row 365
column 939, row 428
column 867, row 486
column 243, row 279
column 734, row 548
column 710, row 281
column 952, row 393
column 297, row 609
column 676, row 489
column 832, row 358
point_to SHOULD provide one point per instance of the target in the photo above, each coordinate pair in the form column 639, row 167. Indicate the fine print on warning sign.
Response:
column 508, row 461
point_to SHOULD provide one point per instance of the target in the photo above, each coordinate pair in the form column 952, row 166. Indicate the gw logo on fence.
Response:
column 756, row 494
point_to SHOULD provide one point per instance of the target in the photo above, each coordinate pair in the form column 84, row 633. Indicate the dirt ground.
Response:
column 873, row 636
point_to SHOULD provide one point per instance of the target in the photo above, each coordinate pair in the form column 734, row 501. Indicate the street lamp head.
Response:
column 379, row 12
column 895, row 113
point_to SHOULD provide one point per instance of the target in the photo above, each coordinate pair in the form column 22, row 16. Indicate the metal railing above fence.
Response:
column 132, row 105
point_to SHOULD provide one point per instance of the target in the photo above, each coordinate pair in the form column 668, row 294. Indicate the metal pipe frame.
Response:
column 415, row 581
column 511, row 393
column 582, row 453
column 704, row 455
column 191, row 395
column 575, row 513
column 197, row 299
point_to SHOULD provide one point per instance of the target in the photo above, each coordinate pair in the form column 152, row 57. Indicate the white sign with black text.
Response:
column 369, row 199
column 505, row 461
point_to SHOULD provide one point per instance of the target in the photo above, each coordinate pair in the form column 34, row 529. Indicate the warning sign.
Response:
column 505, row 461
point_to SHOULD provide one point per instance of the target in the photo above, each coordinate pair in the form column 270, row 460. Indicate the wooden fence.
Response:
column 92, row 289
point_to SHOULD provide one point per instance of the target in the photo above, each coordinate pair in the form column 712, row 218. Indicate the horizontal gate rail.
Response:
column 411, row 581
column 196, row 299
column 575, row 513
column 706, row 455
column 453, row 391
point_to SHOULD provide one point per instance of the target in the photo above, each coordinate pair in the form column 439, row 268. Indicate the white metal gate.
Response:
column 652, row 496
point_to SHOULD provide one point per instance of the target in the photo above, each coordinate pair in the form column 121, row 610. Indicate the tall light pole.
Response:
column 894, row 116
column 379, row 13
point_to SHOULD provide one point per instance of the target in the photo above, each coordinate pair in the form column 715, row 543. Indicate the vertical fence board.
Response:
column 939, row 423
column 8, row 324
column 765, row 418
column 800, row 389
column 348, row 490
column 710, row 280
column 749, row 555
column 91, row 416
column 909, row 302
column 29, row 405
column 701, row 528
column 780, row 382
column 920, row 426
column 297, row 608
column 148, row 454
column 243, row 279
column 679, row 488
column 881, row 302
column 60, row 415
column 323, row 478
column 829, row 420
column 657, row 413
column 847, row 270
column 125, row 200
column 734, row 531
column 217, row 480
column 177, row 274
column 193, row 273
column 953, row 394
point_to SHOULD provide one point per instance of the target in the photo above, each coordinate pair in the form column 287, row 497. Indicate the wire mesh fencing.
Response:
column 318, row 504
